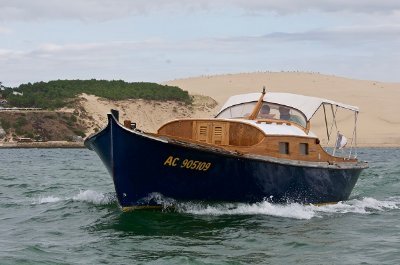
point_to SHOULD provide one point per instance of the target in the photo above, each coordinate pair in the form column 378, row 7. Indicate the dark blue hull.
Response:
column 141, row 164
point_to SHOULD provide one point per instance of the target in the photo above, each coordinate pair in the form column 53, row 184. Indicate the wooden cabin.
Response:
column 273, row 124
column 248, row 139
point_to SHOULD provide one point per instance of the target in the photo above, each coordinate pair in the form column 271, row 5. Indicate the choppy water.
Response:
column 57, row 206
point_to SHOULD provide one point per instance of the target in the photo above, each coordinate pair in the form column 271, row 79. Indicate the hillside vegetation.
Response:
column 57, row 94
column 41, row 125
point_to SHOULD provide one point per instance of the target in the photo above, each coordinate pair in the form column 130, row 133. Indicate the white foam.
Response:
column 89, row 196
column 92, row 196
column 159, row 199
column 364, row 206
column 48, row 199
column 291, row 210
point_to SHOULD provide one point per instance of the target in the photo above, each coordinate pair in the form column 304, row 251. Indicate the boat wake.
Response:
column 365, row 205
column 290, row 210
column 295, row 210
column 88, row 196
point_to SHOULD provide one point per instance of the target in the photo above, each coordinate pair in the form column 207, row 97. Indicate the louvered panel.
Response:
column 203, row 130
column 203, row 133
column 211, row 132
column 220, row 134
column 217, row 135
column 218, row 131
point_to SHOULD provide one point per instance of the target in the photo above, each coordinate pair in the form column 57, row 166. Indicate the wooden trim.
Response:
column 257, row 108
column 243, row 134
column 178, row 128
column 168, row 123
column 307, row 130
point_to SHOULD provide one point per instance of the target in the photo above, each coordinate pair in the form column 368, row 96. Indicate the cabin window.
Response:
column 303, row 147
column 284, row 148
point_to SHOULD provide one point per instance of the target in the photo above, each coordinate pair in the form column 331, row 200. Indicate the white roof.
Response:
column 307, row 105
column 281, row 129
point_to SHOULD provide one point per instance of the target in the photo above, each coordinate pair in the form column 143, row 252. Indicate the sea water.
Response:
column 57, row 206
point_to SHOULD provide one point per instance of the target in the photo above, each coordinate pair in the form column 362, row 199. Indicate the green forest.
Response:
column 58, row 93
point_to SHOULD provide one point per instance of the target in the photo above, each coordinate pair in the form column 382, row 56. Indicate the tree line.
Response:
column 58, row 93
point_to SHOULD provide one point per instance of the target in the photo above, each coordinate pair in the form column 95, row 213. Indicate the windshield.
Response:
column 267, row 111
column 238, row 111
column 280, row 112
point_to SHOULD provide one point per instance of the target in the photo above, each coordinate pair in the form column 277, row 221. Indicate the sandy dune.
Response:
column 149, row 115
column 378, row 123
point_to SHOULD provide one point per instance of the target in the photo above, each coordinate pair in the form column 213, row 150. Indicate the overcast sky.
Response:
column 159, row 40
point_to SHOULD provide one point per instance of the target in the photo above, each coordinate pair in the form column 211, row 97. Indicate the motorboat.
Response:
column 259, row 146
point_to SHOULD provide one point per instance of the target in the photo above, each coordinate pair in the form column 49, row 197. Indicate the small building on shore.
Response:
column 24, row 140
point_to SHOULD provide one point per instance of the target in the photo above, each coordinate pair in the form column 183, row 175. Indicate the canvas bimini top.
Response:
column 307, row 105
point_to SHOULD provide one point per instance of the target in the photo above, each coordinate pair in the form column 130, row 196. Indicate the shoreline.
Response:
column 44, row 145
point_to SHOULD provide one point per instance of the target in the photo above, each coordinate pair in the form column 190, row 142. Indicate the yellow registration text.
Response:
column 172, row 161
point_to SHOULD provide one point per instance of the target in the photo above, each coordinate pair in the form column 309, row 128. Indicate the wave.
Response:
column 365, row 205
column 48, row 199
column 89, row 196
column 290, row 210
column 295, row 210
column 94, row 197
